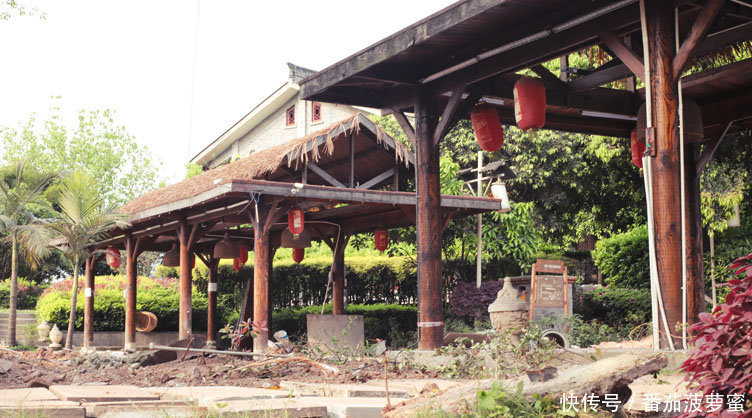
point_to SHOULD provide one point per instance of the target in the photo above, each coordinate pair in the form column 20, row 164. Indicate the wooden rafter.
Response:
column 623, row 52
column 407, row 128
column 701, row 26
column 449, row 111
column 707, row 154
column 548, row 78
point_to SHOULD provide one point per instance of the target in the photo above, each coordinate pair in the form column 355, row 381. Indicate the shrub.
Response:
column 470, row 303
column 621, row 309
column 395, row 323
column 721, row 363
column 623, row 259
column 728, row 245
column 28, row 293
column 159, row 296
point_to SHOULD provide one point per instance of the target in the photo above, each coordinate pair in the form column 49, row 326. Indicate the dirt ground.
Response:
column 45, row 367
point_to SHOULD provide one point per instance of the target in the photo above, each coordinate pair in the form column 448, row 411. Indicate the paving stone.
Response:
column 415, row 386
column 169, row 408
column 355, row 407
column 109, row 393
column 291, row 408
column 11, row 397
column 343, row 390
column 207, row 394
column 57, row 409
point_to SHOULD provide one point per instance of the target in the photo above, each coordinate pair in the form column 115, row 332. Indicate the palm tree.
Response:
column 18, row 193
column 82, row 220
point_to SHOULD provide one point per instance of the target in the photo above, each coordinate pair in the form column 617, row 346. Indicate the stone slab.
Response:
column 662, row 389
column 336, row 332
column 343, row 390
column 170, row 408
column 295, row 407
column 355, row 407
column 102, row 393
column 204, row 395
column 415, row 386
column 12, row 397
column 59, row 409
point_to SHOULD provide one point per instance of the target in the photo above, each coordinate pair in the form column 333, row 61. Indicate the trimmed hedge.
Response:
column 622, row 309
column 397, row 324
column 470, row 303
column 623, row 259
column 159, row 296
column 28, row 293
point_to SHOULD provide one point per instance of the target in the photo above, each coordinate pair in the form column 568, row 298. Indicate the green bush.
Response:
column 28, row 293
column 623, row 259
column 159, row 296
column 397, row 324
column 621, row 309
column 729, row 245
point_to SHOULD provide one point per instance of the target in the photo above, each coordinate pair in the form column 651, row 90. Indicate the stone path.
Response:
column 293, row 399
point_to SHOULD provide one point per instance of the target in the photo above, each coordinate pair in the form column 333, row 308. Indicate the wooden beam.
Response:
column 548, row 78
column 707, row 154
column 378, row 179
column 448, row 115
column 325, row 176
column 352, row 160
column 600, row 77
column 407, row 128
column 624, row 53
column 701, row 26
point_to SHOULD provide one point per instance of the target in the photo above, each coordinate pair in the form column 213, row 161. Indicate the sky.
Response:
column 178, row 73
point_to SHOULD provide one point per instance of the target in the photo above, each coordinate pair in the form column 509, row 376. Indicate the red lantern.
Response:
column 236, row 264
column 295, row 220
column 243, row 254
column 193, row 261
column 113, row 257
column 529, row 103
column 298, row 254
column 638, row 149
column 487, row 127
column 381, row 239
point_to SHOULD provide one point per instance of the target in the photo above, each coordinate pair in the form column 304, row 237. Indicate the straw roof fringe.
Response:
column 259, row 164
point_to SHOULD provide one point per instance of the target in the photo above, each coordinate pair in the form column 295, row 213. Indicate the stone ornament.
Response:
column 508, row 310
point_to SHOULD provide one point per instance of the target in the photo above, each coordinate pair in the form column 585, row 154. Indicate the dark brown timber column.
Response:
column 131, row 256
column 261, row 279
column 338, row 274
column 211, row 321
column 185, row 316
column 665, row 165
column 428, row 214
column 272, row 251
column 89, row 302
column 695, row 274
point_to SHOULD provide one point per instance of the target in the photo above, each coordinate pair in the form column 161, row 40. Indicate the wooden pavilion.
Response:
column 474, row 50
column 346, row 177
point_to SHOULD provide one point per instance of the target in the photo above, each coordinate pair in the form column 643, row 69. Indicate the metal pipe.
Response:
column 153, row 346
column 479, row 259
column 682, row 193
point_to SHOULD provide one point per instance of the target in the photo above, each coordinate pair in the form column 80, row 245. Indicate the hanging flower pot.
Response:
column 381, row 239
column 113, row 257
column 296, row 221
column 529, row 103
column 487, row 127
column 638, row 149
column 298, row 254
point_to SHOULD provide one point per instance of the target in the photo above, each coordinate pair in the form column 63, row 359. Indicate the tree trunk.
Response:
column 13, row 303
column 72, row 317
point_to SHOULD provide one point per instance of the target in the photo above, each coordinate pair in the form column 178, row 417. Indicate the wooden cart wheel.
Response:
column 145, row 321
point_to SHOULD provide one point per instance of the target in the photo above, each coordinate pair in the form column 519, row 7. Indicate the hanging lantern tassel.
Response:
column 487, row 127
column 243, row 254
column 381, row 239
column 298, row 254
column 113, row 257
column 529, row 103
column 236, row 264
column 296, row 221
column 638, row 149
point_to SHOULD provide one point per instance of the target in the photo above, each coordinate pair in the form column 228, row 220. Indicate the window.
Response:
column 290, row 117
column 315, row 112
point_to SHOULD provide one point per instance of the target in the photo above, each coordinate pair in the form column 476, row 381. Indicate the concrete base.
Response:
column 336, row 332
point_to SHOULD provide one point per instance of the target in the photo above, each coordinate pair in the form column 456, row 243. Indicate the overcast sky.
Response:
column 137, row 57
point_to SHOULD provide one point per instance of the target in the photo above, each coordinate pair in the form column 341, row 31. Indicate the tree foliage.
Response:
column 97, row 145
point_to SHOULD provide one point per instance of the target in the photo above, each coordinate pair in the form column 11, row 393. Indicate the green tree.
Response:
column 19, row 195
column 83, row 219
column 123, row 169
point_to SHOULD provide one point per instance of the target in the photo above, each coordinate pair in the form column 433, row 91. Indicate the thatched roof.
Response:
column 260, row 164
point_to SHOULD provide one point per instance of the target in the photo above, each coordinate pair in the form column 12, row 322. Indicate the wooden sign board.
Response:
column 550, row 291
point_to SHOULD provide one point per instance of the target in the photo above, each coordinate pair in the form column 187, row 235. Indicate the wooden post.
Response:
column 211, row 321
column 428, row 216
column 186, row 236
column 89, row 302
column 695, row 273
column 665, row 165
column 131, row 257
column 338, row 273
column 272, row 251
column 261, row 279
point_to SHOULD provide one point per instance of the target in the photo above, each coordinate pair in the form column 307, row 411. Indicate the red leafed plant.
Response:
column 721, row 362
